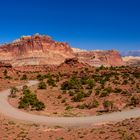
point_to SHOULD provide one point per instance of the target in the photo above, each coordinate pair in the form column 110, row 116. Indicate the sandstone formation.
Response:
column 72, row 62
column 98, row 58
column 131, row 60
column 7, row 65
column 35, row 50
column 42, row 50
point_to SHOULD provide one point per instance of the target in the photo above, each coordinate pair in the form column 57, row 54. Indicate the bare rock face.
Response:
column 132, row 60
column 98, row 58
column 35, row 50
column 7, row 65
column 73, row 62
column 42, row 50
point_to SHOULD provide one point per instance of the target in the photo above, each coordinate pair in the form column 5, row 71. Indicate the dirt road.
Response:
column 8, row 110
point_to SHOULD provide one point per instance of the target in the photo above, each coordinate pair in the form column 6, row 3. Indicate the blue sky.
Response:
column 85, row 24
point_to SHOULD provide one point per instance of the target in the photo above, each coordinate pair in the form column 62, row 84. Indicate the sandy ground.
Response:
column 13, row 130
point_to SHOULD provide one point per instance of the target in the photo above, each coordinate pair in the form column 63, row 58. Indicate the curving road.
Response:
column 8, row 110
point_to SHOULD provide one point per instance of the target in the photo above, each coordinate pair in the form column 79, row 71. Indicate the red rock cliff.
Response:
column 42, row 50
column 35, row 50
column 98, row 58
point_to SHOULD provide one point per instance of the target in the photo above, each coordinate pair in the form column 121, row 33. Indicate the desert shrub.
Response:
column 24, row 77
column 51, row 82
column 117, row 90
column 109, row 89
column 13, row 92
column 8, row 77
column 135, row 100
column 93, row 104
column 78, row 97
column 63, row 100
column 83, row 80
column 86, row 69
column 30, row 101
column 25, row 87
column 96, row 77
column 71, row 93
column 90, row 84
column 88, row 93
column 59, row 97
column 65, row 86
column 64, row 91
column 82, row 106
column 38, row 105
column 5, row 72
column 104, row 93
column 26, row 91
column 102, row 81
column 42, row 85
column 97, row 91
column 125, row 92
column 68, row 107
column 136, row 74
column 108, row 104
column 41, row 77
column 112, row 68
column 101, row 67
column 125, row 82
column 73, row 83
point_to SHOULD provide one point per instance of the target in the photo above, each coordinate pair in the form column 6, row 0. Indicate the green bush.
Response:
column 8, row 77
column 78, row 97
column 73, row 83
column 71, row 93
column 68, row 108
column 118, row 90
column 25, row 87
column 65, row 86
column 83, row 106
column 24, row 77
column 88, row 93
column 42, row 85
column 91, row 105
column 104, row 93
column 97, row 91
column 108, row 105
column 135, row 100
column 5, row 72
column 26, row 91
column 30, row 101
column 90, row 84
column 41, row 77
column 51, row 82
column 125, row 82
column 83, row 80
column 13, row 92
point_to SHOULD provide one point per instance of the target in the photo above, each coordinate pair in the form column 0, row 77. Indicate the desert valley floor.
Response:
column 71, row 93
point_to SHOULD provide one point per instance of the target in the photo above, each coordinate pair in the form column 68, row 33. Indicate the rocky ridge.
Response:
column 35, row 50
column 98, row 58
column 42, row 50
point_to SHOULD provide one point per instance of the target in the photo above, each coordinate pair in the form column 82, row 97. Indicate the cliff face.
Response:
column 35, row 50
column 42, row 50
column 98, row 58
column 131, row 60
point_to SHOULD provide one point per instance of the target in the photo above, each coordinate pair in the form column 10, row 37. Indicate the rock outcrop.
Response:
column 42, row 50
column 131, row 60
column 35, row 50
column 98, row 58
column 7, row 65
